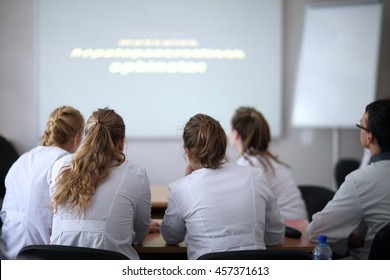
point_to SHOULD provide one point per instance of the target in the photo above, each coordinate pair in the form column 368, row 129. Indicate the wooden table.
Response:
column 154, row 246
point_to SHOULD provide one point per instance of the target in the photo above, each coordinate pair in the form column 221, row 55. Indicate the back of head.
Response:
column 206, row 140
column 253, row 129
column 104, row 129
column 64, row 122
column 378, row 122
column 92, row 161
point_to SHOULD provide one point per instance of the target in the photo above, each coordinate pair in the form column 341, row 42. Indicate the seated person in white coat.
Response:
column 219, row 206
column 8, row 156
column 26, row 216
column 100, row 199
column 251, row 136
column 363, row 200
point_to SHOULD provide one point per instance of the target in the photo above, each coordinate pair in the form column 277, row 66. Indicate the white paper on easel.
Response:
column 337, row 68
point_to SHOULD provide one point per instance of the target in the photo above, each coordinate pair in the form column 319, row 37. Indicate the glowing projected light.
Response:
column 157, row 63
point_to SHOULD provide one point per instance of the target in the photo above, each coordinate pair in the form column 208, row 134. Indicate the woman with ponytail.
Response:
column 251, row 136
column 99, row 199
column 219, row 206
column 26, row 215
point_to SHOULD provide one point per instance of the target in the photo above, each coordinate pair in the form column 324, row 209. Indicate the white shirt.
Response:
column 25, row 213
column 283, row 186
column 118, row 217
column 363, row 197
column 230, row 208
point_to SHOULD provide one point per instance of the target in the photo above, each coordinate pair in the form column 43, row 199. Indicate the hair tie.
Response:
column 99, row 122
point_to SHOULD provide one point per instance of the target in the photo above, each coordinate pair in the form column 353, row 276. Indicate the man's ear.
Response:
column 370, row 138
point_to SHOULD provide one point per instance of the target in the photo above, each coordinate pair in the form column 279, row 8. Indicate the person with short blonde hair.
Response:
column 26, row 216
column 100, row 199
column 218, row 206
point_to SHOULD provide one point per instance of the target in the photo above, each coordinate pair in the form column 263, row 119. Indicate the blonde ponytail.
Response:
column 92, row 162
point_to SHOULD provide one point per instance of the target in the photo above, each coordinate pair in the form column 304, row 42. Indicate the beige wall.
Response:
column 308, row 151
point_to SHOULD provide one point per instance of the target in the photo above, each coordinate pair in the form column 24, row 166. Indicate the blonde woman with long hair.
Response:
column 100, row 199
column 26, row 215
column 219, row 206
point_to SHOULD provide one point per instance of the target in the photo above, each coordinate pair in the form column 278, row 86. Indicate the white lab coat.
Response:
column 118, row 217
column 230, row 208
column 364, row 197
column 26, row 216
column 283, row 186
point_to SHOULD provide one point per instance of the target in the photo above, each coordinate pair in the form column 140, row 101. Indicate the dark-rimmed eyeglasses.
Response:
column 359, row 125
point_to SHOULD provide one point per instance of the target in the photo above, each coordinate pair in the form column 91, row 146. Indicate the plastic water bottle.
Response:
column 322, row 251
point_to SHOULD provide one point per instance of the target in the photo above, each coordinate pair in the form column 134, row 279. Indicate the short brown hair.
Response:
column 206, row 140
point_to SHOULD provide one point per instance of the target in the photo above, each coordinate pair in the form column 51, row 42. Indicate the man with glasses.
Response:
column 363, row 200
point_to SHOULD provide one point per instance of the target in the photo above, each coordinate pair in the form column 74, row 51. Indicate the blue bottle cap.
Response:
column 322, row 238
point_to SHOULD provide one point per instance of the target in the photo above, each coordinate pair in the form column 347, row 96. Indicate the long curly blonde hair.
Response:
column 92, row 162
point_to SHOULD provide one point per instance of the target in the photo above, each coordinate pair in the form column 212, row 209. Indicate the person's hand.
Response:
column 355, row 240
column 154, row 227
